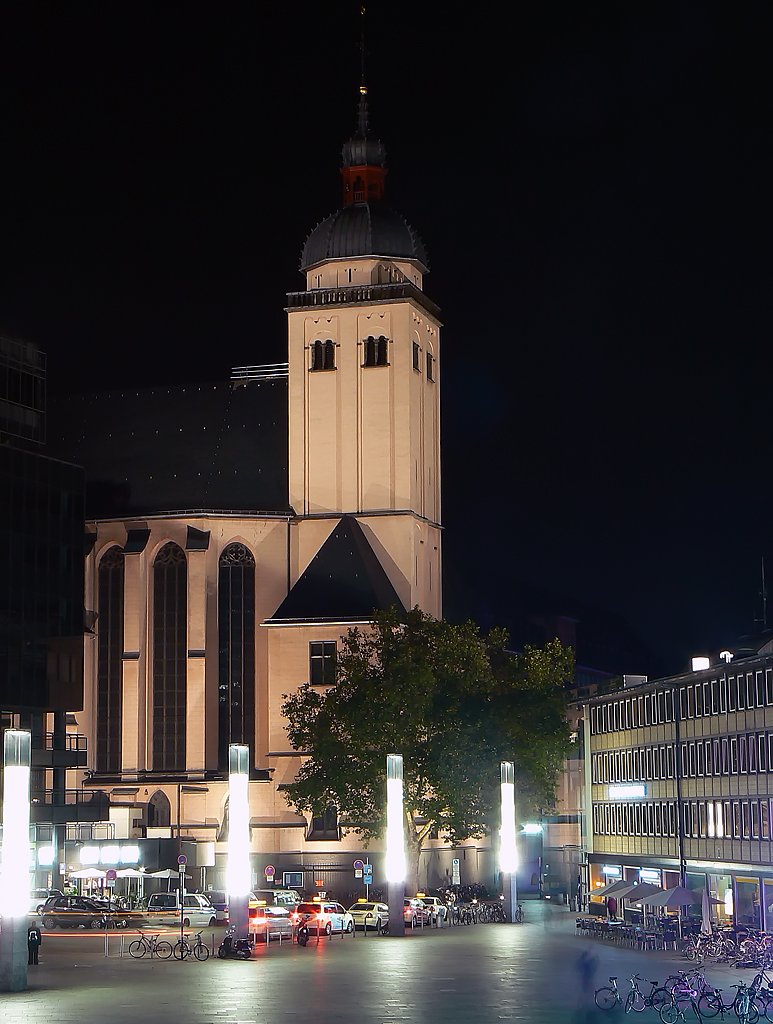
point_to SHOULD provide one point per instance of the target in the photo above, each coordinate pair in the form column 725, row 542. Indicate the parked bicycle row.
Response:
column 690, row 993
column 742, row 947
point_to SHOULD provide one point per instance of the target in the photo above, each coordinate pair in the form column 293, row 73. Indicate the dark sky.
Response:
column 592, row 183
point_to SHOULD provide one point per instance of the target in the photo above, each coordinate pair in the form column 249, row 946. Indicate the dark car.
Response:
column 72, row 912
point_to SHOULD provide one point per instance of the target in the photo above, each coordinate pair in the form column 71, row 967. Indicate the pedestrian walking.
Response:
column 34, row 940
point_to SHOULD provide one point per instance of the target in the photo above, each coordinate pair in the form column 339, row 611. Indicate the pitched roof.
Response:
column 344, row 582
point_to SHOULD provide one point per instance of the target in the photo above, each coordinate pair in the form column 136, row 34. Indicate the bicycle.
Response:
column 640, row 1001
column 150, row 944
column 608, row 997
column 711, row 1003
column 183, row 948
column 674, row 1011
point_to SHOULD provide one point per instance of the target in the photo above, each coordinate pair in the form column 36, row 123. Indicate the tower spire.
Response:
column 364, row 158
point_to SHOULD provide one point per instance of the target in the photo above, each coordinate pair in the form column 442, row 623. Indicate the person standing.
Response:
column 34, row 940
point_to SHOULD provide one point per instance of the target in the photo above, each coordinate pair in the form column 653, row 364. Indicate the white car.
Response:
column 322, row 917
column 38, row 898
column 437, row 908
column 367, row 914
column 163, row 908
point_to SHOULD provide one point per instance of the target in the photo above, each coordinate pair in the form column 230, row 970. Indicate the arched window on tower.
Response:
column 359, row 190
column 236, row 625
column 110, row 660
column 376, row 351
column 170, row 629
column 323, row 355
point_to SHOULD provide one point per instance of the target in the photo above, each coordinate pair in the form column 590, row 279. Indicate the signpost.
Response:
column 367, row 877
column 110, row 877
column 182, row 860
column 455, row 878
column 269, row 871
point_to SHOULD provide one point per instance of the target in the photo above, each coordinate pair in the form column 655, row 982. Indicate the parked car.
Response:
column 438, row 910
column 72, row 912
column 277, row 897
column 38, row 898
column 415, row 913
column 163, row 908
column 324, row 916
column 268, row 923
column 369, row 915
column 219, row 900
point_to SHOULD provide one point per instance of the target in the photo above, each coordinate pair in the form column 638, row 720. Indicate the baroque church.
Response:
column 243, row 527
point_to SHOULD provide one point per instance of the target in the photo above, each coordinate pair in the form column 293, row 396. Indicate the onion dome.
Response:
column 364, row 226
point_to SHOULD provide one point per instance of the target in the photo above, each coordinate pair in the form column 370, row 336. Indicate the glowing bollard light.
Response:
column 15, row 869
column 395, row 845
column 508, row 856
column 238, row 874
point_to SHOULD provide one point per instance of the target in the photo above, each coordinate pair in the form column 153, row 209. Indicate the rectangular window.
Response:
column 670, row 760
column 661, row 699
column 637, row 765
column 691, row 760
column 719, row 825
column 742, row 763
column 755, row 811
column 740, row 694
column 715, row 757
column 745, row 819
column 322, row 662
column 736, row 819
column 650, row 819
column 417, row 357
column 750, row 701
column 702, row 832
column 731, row 693
column 687, row 824
column 708, row 758
column 733, row 756
column 770, row 751
column 669, row 705
column 759, row 690
column 699, row 758
column 606, row 767
column 725, row 758
column 723, row 695
column 715, row 697
column 698, row 700
column 640, row 711
column 430, row 367
column 752, row 743
column 764, row 820
column 768, row 686
column 710, row 819
column 617, row 766
column 658, row 820
column 606, row 819
column 762, row 753
column 682, row 702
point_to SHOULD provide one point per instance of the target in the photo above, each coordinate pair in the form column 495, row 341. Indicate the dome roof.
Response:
column 363, row 229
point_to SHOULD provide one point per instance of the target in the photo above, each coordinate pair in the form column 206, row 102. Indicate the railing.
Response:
column 72, row 741
column 269, row 371
column 69, row 798
column 361, row 293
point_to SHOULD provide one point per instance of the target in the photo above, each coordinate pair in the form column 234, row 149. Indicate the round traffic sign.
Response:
column 111, row 875
column 182, row 860
column 358, row 865
column 270, row 871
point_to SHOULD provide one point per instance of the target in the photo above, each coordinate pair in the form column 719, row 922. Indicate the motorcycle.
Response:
column 237, row 949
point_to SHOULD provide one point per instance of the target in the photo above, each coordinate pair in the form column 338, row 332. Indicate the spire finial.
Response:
column 362, row 111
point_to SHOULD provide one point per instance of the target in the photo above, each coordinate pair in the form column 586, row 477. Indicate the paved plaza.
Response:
column 482, row 974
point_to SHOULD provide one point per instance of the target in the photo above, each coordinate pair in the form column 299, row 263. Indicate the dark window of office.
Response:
column 376, row 351
column 323, row 355
column 417, row 357
column 236, row 627
column 110, row 661
column 322, row 662
column 170, row 620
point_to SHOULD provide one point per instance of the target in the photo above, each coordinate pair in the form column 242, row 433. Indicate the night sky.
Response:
column 592, row 184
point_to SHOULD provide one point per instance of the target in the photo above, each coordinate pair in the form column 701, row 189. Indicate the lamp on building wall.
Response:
column 15, row 869
column 508, row 855
column 395, row 844
column 238, row 876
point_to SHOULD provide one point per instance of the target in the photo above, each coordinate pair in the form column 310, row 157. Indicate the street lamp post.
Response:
column 395, row 845
column 508, row 857
column 15, row 870
column 238, row 875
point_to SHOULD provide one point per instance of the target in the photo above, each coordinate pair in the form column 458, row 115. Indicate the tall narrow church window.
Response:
column 236, row 626
column 417, row 356
column 170, row 622
column 322, row 662
column 323, row 355
column 110, row 661
column 376, row 351
column 325, row 826
column 430, row 367
column 159, row 810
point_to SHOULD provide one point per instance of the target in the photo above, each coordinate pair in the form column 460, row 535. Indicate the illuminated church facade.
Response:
column 206, row 611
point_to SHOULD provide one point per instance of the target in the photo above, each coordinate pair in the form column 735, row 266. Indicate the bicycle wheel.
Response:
column 745, row 1010
column 201, row 951
column 605, row 998
column 669, row 1013
column 181, row 950
column 710, row 1004
column 634, row 1001
column 137, row 948
column 660, row 997
column 163, row 949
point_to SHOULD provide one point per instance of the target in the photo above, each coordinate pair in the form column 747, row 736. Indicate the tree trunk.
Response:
column 413, row 847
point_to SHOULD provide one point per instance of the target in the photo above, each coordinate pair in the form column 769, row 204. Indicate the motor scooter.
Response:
column 237, row 949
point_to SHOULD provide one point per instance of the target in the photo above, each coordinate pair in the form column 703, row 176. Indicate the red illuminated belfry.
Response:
column 364, row 161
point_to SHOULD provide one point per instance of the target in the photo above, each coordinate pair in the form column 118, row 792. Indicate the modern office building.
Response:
column 671, row 783
column 41, row 604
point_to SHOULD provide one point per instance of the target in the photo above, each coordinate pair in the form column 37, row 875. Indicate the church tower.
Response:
column 364, row 378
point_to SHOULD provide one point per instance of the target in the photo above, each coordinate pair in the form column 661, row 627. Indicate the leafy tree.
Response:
column 454, row 703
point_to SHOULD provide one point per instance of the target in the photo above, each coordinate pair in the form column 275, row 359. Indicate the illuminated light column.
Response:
column 15, row 869
column 508, row 856
column 238, row 874
column 395, row 845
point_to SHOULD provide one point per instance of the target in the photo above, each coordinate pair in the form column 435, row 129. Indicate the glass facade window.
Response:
column 747, row 902
column 236, row 628
column 170, row 653
column 110, row 660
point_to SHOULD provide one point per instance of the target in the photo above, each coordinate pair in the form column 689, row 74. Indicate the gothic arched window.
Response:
column 159, row 810
column 109, row 660
column 236, row 627
column 170, row 630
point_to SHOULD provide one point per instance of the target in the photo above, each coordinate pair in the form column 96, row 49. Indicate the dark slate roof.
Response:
column 344, row 582
column 164, row 449
column 363, row 229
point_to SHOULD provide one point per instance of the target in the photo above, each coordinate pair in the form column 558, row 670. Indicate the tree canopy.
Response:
column 454, row 703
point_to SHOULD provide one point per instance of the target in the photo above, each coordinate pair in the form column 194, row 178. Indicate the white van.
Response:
column 163, row 908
